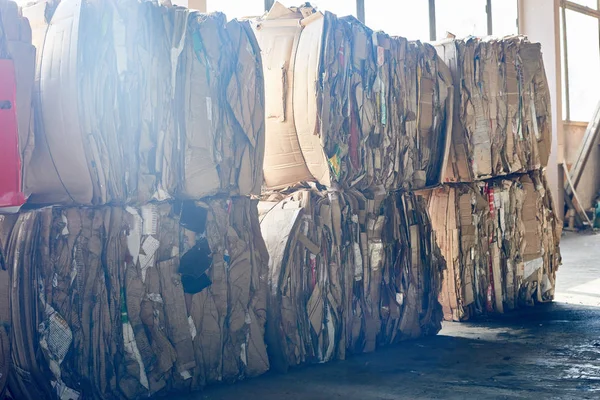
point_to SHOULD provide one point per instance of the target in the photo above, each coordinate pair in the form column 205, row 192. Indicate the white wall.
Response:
column 539, row 20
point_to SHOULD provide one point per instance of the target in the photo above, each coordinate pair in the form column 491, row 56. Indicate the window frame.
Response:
column 590, row 12
column 360, row 11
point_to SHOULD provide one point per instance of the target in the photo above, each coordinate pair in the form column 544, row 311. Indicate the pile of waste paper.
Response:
column 500, row 239
column 114, row 302
column 160, row 102
column 347, row 273
column 348, row 106
column 502, row 120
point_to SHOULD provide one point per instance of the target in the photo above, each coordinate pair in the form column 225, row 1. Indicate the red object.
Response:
column 313, row 269
column 11, row 194
column 491, row 290
column 490, row 200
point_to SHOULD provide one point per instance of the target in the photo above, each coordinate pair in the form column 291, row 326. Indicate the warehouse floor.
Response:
column 549, row 352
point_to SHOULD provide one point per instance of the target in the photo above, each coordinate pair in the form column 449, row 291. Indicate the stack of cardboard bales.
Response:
column 147, row 274
column 353, row 119
column 497, row 228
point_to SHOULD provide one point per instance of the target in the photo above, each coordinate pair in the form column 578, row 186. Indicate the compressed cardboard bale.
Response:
column 107, row 304
column 152, row 108
column 350, row 107
column 502, row 118
column 500, row 239
column 347, row 273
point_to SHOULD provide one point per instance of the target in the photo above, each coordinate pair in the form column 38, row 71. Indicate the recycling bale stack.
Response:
column 347, row 273
column 354, row 119
column 494, row 217
column 144, row 272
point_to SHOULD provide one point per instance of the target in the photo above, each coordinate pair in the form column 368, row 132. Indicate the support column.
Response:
column 540, row 21
column 360, row 10
column 198, row 5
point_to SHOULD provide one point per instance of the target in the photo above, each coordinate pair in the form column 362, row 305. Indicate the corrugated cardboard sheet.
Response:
column 100, row 302
column 349, row 106
column 160, row 102
column 502, row 119
column 500, row 239
column 347, row 273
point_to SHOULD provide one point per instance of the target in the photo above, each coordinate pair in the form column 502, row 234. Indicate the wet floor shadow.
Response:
column 552, row 351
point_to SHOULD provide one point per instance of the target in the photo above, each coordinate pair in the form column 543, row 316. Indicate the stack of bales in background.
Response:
column 494, row 217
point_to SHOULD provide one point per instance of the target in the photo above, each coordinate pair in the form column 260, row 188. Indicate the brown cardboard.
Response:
column 6, row 225
column 307, row 69
column 501, row 116
column 158, row 111
column 278, row 39
column 360, row 120
column 507, row 244
column 111, row 274
column 368, row 285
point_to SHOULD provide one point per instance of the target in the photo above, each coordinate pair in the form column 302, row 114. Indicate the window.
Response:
column 504, row 17
column 461, row 18
column 237, row 8
column 407, row 18
column 580, row 41
column 340, row 8
column 563, row 71
column 410, row 18
column 587, row 3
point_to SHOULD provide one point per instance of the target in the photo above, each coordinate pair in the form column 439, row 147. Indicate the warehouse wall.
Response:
column 589, row 184
column 539, row 19
column 574, row 132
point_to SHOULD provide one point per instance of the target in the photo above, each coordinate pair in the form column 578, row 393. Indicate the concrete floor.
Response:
column 548, row 352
